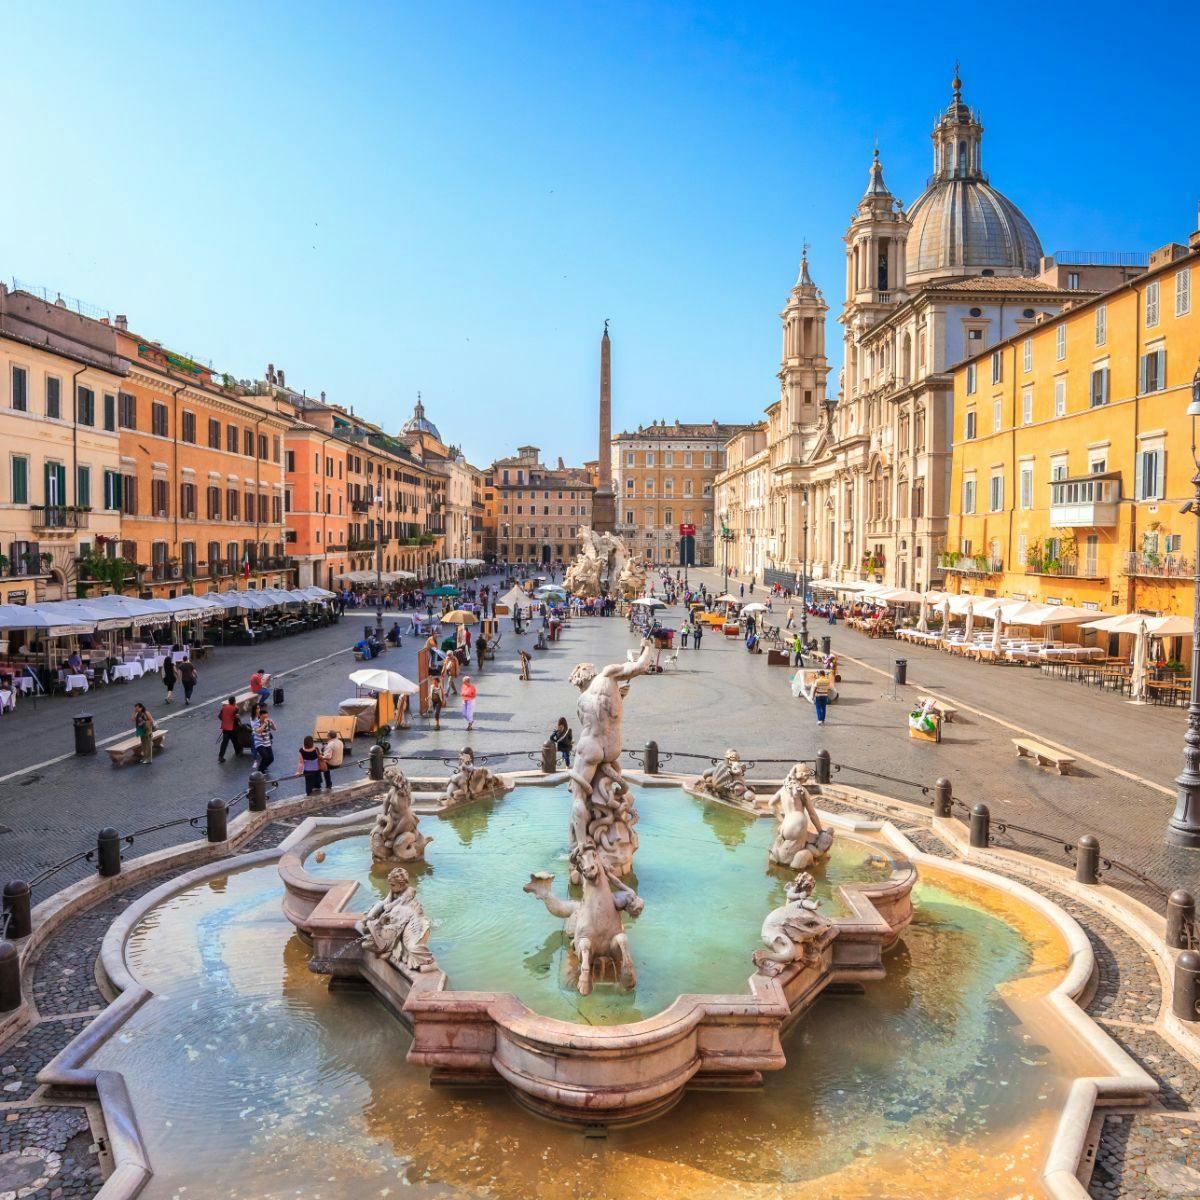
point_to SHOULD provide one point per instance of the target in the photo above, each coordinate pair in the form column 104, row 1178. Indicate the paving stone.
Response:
column 50, row 1146
column 1143, row 1156
column 31, row 1050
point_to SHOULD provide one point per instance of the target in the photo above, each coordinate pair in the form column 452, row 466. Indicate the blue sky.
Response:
column 452, row 198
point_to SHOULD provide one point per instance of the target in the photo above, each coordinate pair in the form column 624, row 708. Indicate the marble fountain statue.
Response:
column 604, row 567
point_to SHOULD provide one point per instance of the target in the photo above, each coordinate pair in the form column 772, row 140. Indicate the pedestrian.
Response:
column 310, row 765
column 469, row 692
column 741, row 589
column 524, row 657
column 264, row 736
column 187, row 676
column 798, row 651
column 332, row 753
column 260, row 685
column 143, row 726
column 480, row 651
column 684, row 633
column 168, row 677
column 228, row 716
column 697, row 631
column 435, row 703
column 791, row 618
column 449, row 674
column 563, row 739
column 821, row 686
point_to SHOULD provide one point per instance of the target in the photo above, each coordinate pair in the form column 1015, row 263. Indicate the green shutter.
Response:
column 20, row 481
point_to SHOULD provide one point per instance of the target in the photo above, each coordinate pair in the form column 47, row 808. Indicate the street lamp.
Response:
column 379, row 568
column 804, row 566
column 1184, row 826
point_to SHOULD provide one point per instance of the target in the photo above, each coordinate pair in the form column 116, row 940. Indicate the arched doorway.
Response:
column 545, row 556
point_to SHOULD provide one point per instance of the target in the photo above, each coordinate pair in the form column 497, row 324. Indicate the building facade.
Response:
column 538, row 509
column 663, row 478
column 1071, row 459
column 740, row 502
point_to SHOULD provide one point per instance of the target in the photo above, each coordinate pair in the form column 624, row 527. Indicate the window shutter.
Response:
column 1138, row 472
column 1160, row 369
column 1160, row 467
column 1142, row 373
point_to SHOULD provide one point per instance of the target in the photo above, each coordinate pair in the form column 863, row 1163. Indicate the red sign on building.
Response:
column 687, row 531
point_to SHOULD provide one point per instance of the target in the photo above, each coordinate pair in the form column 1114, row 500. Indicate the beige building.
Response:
column 741, row 495
column 60, row 496
column 538, row 509
column 663, row 479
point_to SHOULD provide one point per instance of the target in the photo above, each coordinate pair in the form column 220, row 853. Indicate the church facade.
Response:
column 858, row 485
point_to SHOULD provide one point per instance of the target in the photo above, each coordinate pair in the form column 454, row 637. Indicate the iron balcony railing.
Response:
column 59, row 516
column 1159, row 566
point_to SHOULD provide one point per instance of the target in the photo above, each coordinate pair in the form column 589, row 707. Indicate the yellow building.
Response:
column 1071, row 451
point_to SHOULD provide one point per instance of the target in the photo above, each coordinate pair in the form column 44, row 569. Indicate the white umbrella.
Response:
column 727, row 599
column 923, row 619
column 313, row 592
column 754, row 608
column 897, row 595
column 1155, row 626
column 1137, row 674
column 649, row 602
column 945, row 617
column 378, row 680
column 969, row 628
column 512, row 598
column 997, row 630
column 22, row 616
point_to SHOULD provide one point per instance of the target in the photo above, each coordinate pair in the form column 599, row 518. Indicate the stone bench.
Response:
column 1044, row 755
column 129, row 749
column 246, row 701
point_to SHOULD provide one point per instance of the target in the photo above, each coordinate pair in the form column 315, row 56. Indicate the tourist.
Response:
column 188, row 676
column 697, row 633
column 523, row 655
column 798, row 650
column 469, row 692
column 332, row 753
column 393, row 634
column 143, row 726
column 450, row 674
column 563, row 739
column 228, row 716
column 310, row 766
column 263, row 737
column 435, row 703
column 821, row 687
column 684, row 634
column 75, row 662
column 260, row 685
column 168, row 677
column 480, row 650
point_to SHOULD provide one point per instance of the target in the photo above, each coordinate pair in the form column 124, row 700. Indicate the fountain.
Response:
column 604, row 567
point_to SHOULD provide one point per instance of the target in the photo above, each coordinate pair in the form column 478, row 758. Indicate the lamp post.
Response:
column 1184, row 826
column 379, row 567
column 804, row 566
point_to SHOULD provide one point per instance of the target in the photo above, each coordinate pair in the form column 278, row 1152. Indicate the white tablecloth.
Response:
column 128, row 671
column 8, row 699
column 180, row 655
column 77, row 683
column 23, row 683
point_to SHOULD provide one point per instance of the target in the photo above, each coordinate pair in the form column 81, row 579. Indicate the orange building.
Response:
column 315, row 506
column 202, row 482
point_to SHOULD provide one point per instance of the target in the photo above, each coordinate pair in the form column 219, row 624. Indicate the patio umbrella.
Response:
column 997, row 630
column 755, row 608
column 727, row 599
column 945, row 617
column 1141, row 652
column 969, row 627
column 378, row 680
column 923, row 619
column 24, row 616
column 318, row 593
column 459, row 617
column 649, row 602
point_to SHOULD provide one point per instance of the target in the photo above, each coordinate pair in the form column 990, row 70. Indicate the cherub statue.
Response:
column 470, row 782
column 396, row 834
column 726, row 780
column 398, row 927
column 791, row 930
column 800, row 839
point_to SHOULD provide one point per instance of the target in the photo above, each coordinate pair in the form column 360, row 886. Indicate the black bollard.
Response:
column 826, row 645
column 1181, row 919
column 1186, row 993
column 10, row 977
column 108, row 852
column 1087, row 859
column 256, row 793
column 375, row 772
column 18, row 905
column 549, row 758
column 218, row 821
column 650, row 758
column 981, row 826
column 943, row 798
column 824, row 766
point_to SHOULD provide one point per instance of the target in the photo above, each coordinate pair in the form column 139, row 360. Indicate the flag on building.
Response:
column 245, row 562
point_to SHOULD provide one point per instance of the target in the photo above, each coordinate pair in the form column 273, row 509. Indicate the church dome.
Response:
column 960, row 224
column 419, row 423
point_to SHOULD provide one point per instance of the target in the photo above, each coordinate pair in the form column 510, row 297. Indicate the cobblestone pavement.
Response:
column 48, row 1153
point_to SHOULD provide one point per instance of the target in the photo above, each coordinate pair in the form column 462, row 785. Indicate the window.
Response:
column 968, row 496
column 1153, row 371
column 1101, row 324
column 20, row 389
column 248, row 442
column 233, row 505
column 1152, row 304
column 1022, row 546
column 112, row 490
column 83, row 487
column 127, row 411
column 1026, row 487
column 1060, row 397
column 158, row 420
column 971, row 382
column 668, row 458
column 649, row 458
column 997, row 419
column 277, row 451
column 160, row 500
column 1060, row 343
column 997, row 366
column 213, row 504
column 1027, row 407
column 1183, row 292
column 1027, row 354
column 53, row 398
column 629, row 458
column 996, row 493
column 86, row 406
column 20, row 479
column 110, row 412
column 969, row 425
column 1058, row 470
column 262, row 450
column 707, row 459
column 1149, row 474
column 187, row 500
column 231, row 439
column 1099, row 387
column 687, row 458
column 1073, row 280
column 214, row 434
column 187, row 430
column 291, row 461
column 277, row 509
column 1091, row 555
column 55, row 481
column 129, row 499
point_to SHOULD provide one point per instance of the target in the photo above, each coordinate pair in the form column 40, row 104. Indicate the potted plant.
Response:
column 1175, row 667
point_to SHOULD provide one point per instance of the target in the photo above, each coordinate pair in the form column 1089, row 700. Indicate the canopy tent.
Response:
column 756, row 607
column 1155, row 626
column 24, row 616
column 454, row 562
column 727, row 599
column 512, row 598
column 847, row 586
column 474, row 562
column 897, row 595
column 135, row 611
column 397, row 576
column 1056, row 614
column 648, row 602
column 82, row 611
column 357, row 577
column 314, row 592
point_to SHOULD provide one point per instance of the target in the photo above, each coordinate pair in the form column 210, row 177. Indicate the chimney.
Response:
column 270, row 372
column 322, row 397
column 279, row 373
column 122, row 322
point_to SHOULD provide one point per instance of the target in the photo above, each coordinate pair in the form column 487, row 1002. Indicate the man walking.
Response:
column 697, row 631
column 264, row 738
column 469, row 692
column 228, row 716
column 821, row 686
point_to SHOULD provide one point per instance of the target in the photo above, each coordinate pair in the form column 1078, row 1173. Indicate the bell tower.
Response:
column 803, row 367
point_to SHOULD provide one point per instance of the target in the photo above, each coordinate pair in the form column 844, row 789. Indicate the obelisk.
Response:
column 604, row 509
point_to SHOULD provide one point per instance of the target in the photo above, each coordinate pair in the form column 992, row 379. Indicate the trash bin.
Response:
column 826, row 645
column 278, row 696
column 85, row 734
column 901, row 670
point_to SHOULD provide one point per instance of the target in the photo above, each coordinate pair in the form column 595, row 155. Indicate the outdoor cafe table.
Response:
column 129, row 670
column 75, row 683
column 8, row 700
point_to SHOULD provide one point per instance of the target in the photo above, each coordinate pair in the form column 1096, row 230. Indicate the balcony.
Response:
column 1068, row 568
column 1085, row 501
column 1159, row 566
column 972, row 565
column 360, row 506
column 358, row 545
column 161, row 572
column 60, row 516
